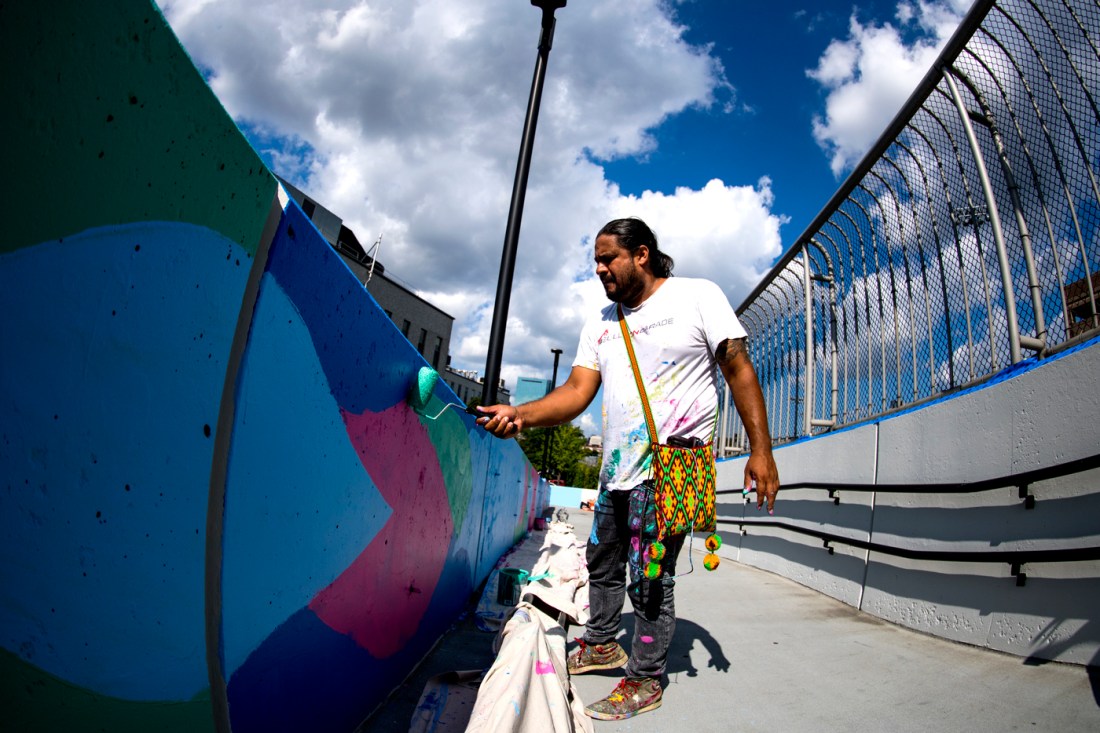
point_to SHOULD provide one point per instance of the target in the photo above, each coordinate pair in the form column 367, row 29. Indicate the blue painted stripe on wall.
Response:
column 338, row 313
column 299, row 507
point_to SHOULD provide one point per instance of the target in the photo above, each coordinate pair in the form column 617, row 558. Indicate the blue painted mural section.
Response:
column 368, row 364
column 153, row 365
column 300, row 486
column 115, row 345
column 305, row 519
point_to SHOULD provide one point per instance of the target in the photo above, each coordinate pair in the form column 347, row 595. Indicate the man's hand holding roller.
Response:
column 561, row 405
column 503, row 421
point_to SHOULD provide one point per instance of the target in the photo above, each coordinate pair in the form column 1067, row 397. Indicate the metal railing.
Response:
column 1016, row 558
column 967, row 240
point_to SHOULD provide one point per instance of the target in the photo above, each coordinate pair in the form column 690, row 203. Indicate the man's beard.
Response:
column 630, row 286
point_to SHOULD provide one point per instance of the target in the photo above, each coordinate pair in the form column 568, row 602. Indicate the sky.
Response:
column 726, row 125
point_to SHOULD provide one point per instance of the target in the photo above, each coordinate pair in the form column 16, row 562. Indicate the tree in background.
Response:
column 568, row 451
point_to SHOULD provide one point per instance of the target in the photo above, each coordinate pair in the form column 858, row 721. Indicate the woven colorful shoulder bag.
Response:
column 683, row 474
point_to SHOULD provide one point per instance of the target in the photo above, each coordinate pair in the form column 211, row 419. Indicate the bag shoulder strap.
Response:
column 638, row 378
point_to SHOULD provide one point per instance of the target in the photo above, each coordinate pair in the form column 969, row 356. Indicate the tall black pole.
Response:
column 550, row 431
column 515, row 212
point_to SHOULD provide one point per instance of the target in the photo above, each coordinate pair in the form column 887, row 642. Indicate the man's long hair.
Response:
column 631, row 234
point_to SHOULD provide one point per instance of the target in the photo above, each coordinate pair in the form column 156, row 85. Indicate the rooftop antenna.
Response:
column 373, row 258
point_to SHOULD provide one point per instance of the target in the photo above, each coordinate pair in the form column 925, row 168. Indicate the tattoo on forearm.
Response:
column 730, row 348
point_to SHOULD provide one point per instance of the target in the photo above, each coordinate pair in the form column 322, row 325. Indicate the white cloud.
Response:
column 404, row 118
column 724, row 233
column 871, row 74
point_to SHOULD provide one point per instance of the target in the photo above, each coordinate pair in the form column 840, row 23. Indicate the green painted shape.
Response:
column 451, row 441
column 107, row 122
column 33, row 701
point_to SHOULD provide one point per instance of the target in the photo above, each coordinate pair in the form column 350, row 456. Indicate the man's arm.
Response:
column 561, row 405
column 733, row 359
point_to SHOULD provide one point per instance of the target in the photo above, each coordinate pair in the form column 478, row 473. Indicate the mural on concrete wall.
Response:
column 210, row 469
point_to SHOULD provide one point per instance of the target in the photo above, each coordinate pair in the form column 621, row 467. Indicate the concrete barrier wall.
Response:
column 1038, row 415
column 219, row 511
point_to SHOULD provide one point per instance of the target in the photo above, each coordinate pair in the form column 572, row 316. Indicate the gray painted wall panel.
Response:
column 1043, row 417
column 806, row 561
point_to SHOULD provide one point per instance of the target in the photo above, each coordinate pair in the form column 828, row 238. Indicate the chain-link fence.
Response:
column 967, row 240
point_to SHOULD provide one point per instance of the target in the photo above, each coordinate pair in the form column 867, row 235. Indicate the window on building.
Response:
column 1083, row 310
column 438, row 352
column 309, row 207
column 423, row 340
column 405, row 328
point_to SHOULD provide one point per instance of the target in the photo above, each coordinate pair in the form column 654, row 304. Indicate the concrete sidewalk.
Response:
column 754, row 651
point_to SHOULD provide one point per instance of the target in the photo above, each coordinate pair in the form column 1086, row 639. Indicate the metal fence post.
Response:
column 994, row 218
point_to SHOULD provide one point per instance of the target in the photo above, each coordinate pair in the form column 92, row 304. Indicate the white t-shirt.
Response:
column 675, row 334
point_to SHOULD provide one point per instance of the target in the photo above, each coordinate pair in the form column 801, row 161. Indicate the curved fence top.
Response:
column 967, row 240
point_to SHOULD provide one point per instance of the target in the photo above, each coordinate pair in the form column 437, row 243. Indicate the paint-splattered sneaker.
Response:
column 632, row 696
column 590, row 657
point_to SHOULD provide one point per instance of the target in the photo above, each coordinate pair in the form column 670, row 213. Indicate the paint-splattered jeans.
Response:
column 624, row 525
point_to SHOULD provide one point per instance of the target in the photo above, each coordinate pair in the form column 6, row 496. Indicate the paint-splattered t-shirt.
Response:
column 675, row 335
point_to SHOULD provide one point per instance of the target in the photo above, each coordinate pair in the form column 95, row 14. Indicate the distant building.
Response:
column 427, row 327
column 1083, row 303
column 529, row 389
column 595, row 444
column 468, row 386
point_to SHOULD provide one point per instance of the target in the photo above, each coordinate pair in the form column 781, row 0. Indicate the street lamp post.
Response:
column 515, row 212
column 550, row 431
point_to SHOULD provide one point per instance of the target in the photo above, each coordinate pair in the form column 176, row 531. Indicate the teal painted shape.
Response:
column 299, row 505
column 115, row 344
column 467, row 539
column 449, row 434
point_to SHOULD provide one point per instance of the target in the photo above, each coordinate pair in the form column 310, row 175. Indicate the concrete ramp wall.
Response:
column 219, row 512
column 1039, row 415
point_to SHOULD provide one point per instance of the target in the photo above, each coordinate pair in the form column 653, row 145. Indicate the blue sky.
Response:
column 776, row 101
column 770, row 135
column 726, row 125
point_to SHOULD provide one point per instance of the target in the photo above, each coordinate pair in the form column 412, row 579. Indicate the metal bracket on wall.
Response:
column 1017, row 571
column 828, row 547
column 1025, row 494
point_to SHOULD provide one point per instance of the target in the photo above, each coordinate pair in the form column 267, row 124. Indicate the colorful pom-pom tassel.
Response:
column 710, row 562
column 657, row 551
column 714, row 542
column 652, row 570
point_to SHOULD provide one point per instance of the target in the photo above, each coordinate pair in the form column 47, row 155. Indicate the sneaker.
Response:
column 591, row 657
column 633, row 695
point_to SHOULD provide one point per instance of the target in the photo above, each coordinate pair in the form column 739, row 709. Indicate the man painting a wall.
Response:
column 681, row 330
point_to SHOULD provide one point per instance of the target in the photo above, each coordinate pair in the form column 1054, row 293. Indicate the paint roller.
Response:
column 420, row 394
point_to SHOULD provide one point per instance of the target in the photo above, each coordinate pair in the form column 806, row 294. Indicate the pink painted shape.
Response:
column 380, row 599
column 647, row 639
column 544, row 667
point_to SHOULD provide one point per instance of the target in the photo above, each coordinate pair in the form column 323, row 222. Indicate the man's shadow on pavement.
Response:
column 1087, row 633
column 688, row 633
